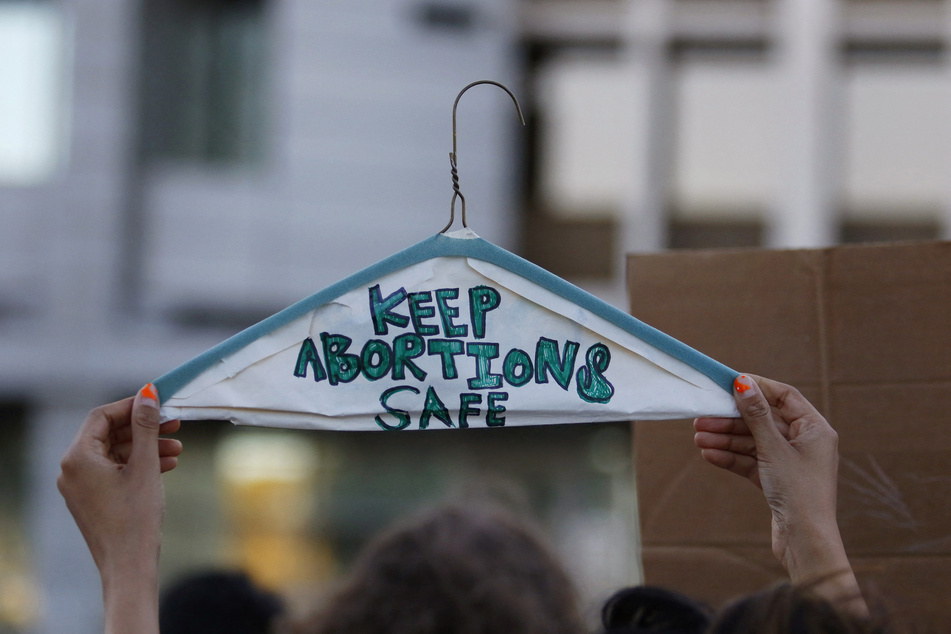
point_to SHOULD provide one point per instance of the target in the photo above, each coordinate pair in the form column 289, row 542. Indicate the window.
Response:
column 714, row 233
column 588, row 144
column 897, row 137
column 724, row 167
column 895, row 229
column 31, row 92
column 203, row 80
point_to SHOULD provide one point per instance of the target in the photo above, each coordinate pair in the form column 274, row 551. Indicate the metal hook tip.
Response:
column 452, row 155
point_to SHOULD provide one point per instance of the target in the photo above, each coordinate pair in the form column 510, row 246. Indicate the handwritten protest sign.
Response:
column 452, row 333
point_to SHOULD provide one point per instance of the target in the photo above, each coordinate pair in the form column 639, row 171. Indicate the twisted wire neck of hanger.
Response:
column 456, row 192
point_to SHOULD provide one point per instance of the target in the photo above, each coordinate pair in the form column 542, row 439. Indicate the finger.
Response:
column 758, row 415
column 787, row 400
column 169, row 447
column 168, row 463
column 124, row 434
column 166, row 447
column 721, row 425
column 744, row 466
column 102, row 422
column 89, row 454
column 145, row 429
column 117, row 413
column 735, row 425
column 744, row 445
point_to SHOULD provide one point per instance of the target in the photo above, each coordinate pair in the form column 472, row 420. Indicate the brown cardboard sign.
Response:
column 865, row 333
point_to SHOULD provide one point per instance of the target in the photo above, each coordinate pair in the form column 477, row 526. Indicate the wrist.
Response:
column 815, row 558
column 813, row 552
column 130, row 593
column 124, row 562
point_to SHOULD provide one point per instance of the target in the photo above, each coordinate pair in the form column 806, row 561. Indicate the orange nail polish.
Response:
column 741, row 386
column 149, row 391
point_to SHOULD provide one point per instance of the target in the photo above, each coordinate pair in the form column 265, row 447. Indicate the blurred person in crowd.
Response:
column 790, row 609
column 458, row 569
column 643, row 609
column 111, row 482
column 217, row 602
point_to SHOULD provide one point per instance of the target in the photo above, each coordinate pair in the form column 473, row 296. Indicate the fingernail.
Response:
column 149, row 395
column 742, row 383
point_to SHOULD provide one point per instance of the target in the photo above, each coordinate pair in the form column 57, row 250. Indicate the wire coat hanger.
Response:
column 456, row 192
column 259, row 376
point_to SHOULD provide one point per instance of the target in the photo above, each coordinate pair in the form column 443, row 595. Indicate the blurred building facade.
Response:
column 171, row 171
column 780, row 123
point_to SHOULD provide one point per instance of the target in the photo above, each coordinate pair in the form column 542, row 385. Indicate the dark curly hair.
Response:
column 790, row 609
column 453, row 570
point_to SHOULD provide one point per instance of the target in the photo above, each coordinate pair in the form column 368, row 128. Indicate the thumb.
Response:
column 145, row 428
column 757, row 414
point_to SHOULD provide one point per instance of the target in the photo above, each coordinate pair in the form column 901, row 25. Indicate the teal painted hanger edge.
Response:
column 436, row 246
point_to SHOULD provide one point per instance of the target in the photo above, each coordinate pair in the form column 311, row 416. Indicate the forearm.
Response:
column 130, row 597
column 111, row 482
column 815, row 558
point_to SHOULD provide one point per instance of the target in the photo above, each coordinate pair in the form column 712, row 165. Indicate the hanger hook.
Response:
column 456, row 192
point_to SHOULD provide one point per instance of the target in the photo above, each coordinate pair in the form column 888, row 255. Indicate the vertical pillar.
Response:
column 642, row 225
column 84, row 225
column 944, row 218
column 642, row 220
column 83, row 267
column 804, row 214
column 65, row 572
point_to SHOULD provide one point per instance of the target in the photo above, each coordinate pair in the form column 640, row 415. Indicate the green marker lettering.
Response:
column 484, row 353
column 380, row 351
column 341, row 367
column 418, row 312
column 517, row 368
column 492, row 418
column 401, row 415
column 466, row 399
column 406, row 348
column 482, row 299
column 547, row 359
column 308, row 357
column 447, row 349
column 434, row 407
column 447, row 313
column 381, row 310
column 592, row 386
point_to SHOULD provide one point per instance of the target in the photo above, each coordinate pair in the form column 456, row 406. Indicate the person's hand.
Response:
column 112, row 486
column 784, row 446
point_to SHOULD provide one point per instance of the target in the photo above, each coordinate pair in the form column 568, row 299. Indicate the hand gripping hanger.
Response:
column 456, row 193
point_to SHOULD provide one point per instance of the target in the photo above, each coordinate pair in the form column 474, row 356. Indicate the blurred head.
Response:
column 212, row 602
column 652, row 610
column 453, row 570
column 788, row 609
